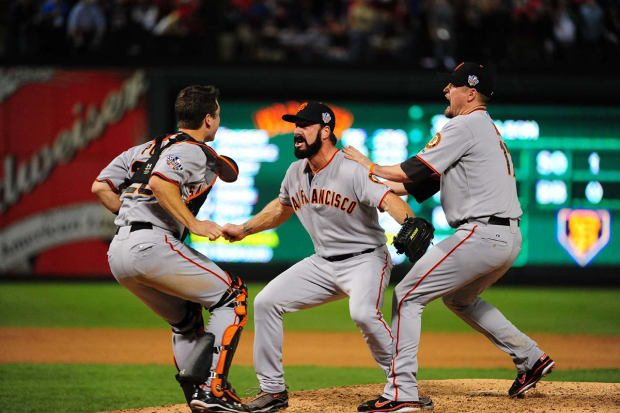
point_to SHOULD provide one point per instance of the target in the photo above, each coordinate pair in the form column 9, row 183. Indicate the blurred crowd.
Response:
column 518, row 34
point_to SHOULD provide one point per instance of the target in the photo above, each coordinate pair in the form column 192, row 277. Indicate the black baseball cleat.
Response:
column 269, row 402
column 385, row 405
column 206, row 402
column 527, row 380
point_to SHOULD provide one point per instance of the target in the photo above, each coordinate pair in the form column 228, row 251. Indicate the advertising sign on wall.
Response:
column 58, row 129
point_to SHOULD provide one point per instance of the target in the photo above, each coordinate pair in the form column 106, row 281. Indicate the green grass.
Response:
column 99, row 387
column 533, row 310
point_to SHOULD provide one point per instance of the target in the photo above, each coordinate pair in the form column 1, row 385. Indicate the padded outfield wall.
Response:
column 58, row 128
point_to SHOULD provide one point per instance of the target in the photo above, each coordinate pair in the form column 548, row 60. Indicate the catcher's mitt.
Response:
column 414, row 238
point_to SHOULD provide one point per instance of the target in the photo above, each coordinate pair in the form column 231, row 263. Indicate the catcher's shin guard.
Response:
column 235, row 297
column 197, row 366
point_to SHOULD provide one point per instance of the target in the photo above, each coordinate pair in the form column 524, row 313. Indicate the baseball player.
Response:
column 156, row 189
column 469, row 161
column 336, row 202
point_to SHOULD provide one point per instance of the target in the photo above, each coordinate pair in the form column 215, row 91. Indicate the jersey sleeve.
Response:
column 368, row 189
column 115, row 173
column 181, row 163
column 423, row 189
column 446, row 147
column 285, row 197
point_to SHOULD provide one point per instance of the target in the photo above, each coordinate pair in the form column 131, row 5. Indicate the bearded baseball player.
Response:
column 336, row 202
column 468, row 160
column 156, row 189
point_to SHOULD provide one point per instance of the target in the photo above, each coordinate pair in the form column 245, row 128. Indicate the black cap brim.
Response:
column 229, row 171
column 296, row 119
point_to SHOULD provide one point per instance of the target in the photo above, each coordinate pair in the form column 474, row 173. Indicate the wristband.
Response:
column 371, row 167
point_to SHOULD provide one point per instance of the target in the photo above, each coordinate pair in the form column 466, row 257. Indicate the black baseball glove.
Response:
column 414, row 238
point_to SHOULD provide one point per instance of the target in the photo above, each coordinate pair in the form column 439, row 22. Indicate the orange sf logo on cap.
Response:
column 302, row 106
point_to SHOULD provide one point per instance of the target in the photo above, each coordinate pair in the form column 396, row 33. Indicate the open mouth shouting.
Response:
column 299, row 140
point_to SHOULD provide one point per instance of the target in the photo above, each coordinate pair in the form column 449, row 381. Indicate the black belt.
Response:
column 493, row 220
column 345, row 256
column 137, row 226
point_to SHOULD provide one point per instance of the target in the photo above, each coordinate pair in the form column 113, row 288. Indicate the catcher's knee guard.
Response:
column 192, row 324
column 235, row 297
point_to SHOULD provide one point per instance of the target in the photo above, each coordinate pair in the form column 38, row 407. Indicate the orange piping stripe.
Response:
column 194, row 262
column 328, row 162
column 457, row 68
column 110, row 184
column 427, row 164
column 201, row 192
column 202, row 145
column 409, row 292
column 231, row 165
column 282, row 203
column 165, row 178
column 383, row 197
column 379, row 298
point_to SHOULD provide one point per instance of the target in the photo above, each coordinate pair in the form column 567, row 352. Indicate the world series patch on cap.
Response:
column 473, row 75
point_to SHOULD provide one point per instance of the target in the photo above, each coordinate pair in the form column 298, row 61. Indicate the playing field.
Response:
column 88, row 347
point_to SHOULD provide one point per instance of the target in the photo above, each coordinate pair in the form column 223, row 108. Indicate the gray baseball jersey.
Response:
column 183, row 163
column 477, row 182
column 154, row 264
column 338, row 208
column 482, row 182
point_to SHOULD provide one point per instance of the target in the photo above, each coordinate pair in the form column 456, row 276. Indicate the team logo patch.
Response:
column 434, row 141
column 472, row 80
column 583, row 232
column 302, row 106
column 174, row 162
column 326, row 117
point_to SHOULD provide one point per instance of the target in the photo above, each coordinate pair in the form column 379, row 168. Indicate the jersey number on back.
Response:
column 504, row 148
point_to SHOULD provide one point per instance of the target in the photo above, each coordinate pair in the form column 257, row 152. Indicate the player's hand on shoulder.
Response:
column 233, row 232
column 207, row 229
column 351, row 153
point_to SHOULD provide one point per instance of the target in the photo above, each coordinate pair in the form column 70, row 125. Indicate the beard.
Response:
column 310, row 150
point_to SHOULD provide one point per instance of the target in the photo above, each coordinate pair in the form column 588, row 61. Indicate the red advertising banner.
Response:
column 58, row 129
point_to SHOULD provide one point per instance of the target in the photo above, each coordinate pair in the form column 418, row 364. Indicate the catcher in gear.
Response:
column 470, row 162
column 156, row 189
column 414, row 238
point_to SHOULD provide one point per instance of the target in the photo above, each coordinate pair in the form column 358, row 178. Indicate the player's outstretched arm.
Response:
column 396, row 207
column 169, row 197
column 397, row 187
column 109, row 198
column 393, row 173
column 274, row 214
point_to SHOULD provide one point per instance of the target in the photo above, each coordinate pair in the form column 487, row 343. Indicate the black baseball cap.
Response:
column 473, row 75
column 313, row 112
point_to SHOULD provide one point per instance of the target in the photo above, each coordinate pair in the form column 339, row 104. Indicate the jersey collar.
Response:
column 475, row 109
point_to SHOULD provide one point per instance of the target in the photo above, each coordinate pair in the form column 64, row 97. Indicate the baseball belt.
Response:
column 346, row 256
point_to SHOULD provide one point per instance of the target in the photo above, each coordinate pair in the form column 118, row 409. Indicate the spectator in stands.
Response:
column 361, row 20
column 441, row 32
column 86, row 26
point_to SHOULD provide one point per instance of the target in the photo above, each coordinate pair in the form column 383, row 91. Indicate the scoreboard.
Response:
column 567, row 164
